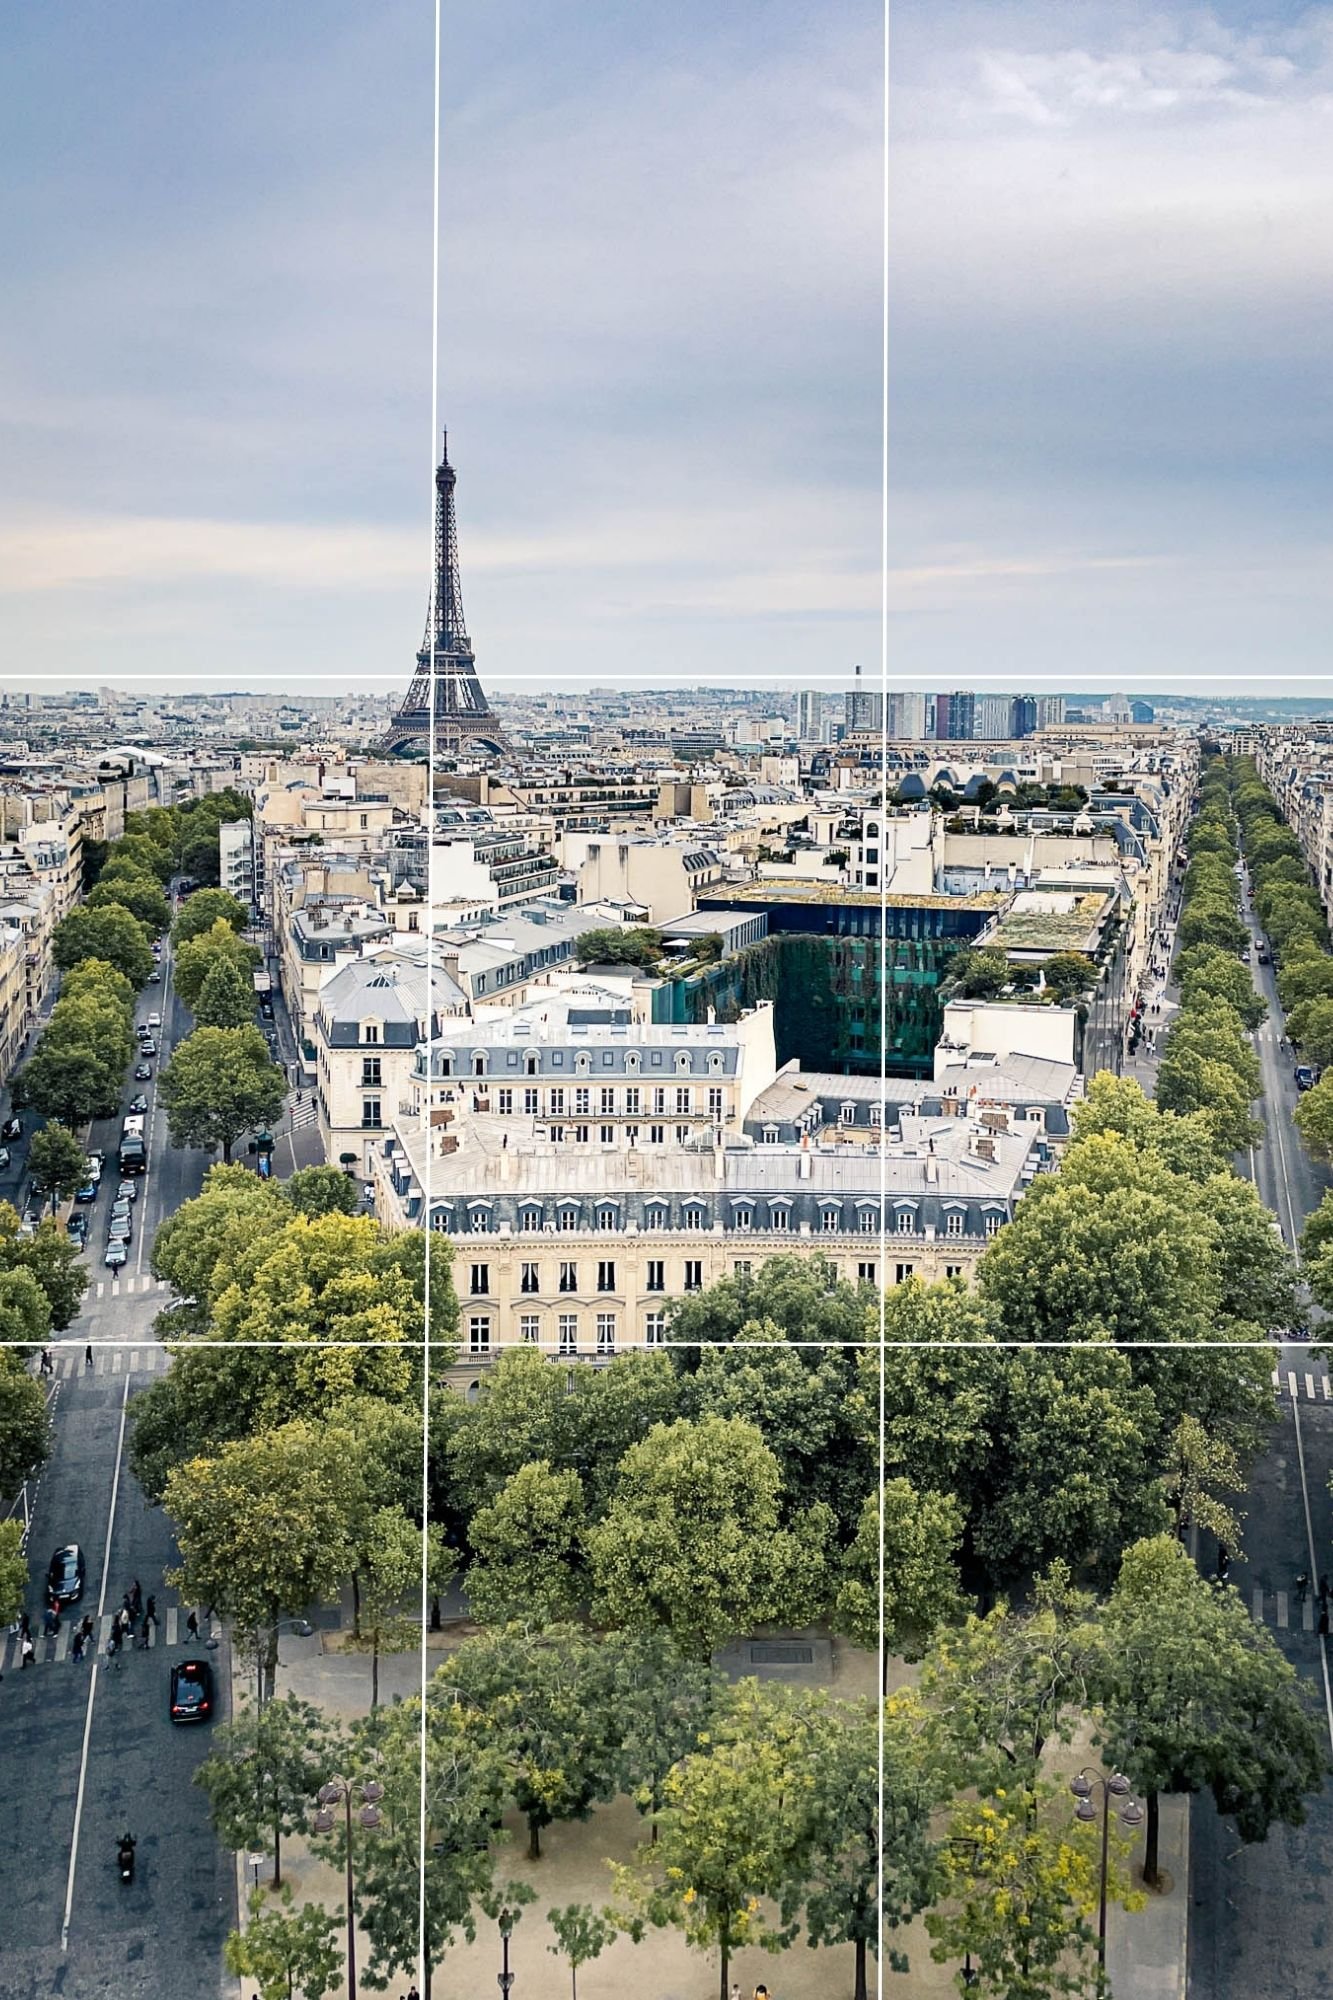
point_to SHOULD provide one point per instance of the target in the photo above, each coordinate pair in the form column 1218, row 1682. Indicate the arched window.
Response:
column 533, row 1063
column 478, row 1065
column 632, row 1062
column 581, row 1062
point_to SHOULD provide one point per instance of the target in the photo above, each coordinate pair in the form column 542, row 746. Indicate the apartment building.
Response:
column 371, row 1019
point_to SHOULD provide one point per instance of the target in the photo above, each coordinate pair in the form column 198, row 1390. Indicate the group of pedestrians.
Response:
column 134, row 1616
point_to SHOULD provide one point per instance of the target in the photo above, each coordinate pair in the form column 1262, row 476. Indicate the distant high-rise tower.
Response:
column 905, row 718
column 1050, row 711
column 955, row 716
column 445, row 685
column 1024, row 714
column 809, row 715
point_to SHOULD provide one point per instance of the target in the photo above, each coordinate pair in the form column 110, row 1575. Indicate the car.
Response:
column 122, row 1204
column 148, row 1047
column 94, row 1159
column 65, row 1574
column 143, row 1073
column 127, row 1191
column 120, row 1231
column 191, row 1691
column 155, row 978
column 138, row 1104
column 116, row 1254
column 4, row 1156
column 266, row 1009
column 155, row 1020
column 33, row 1213
column 78, row 1226
column 88, row 1192
column 12, row 1129
column 1306, row 1077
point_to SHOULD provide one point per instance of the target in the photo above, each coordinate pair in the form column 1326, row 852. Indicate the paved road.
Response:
column 1262, row 1916
column 86, row 1752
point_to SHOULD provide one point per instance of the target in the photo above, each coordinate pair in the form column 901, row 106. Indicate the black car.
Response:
column 191, row 1691
column 143, row 1073
column 78, row 1225
column 139, row 1103
column 12, row 1129
column 1306, row 1078
column 65, row 1575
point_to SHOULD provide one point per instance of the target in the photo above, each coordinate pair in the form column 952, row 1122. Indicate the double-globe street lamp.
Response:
column 1112, row 1785
column 338, row 1791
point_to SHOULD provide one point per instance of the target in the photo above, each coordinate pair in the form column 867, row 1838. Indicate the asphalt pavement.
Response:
column 86, row 1750
column 1262, row 1915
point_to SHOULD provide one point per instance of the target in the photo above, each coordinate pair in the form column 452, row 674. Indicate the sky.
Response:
column 661, row 295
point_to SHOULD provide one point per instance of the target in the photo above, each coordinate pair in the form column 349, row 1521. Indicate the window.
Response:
column 608, row 1134
column 371, row 1077
column 529, row 1102
column 532, row 1063
column 953, row 1270
column 694, row 1274
column 481, row 1280
column 555, row 1103
column 655, row 1216
column 906, row 1222
column 867, row 1221
column 505, row 1101
column 580, row 1133
column 370, row 1113
column 684, row 1100
column 779, row 1218
column 606, row 1333
column 528, row 1280
column 682, row 1135
column 654, row 1328
column 631, row 1135
column 744, row 1218
column 608, row 1217
column 847, row 1114
column 478, row 1065
column 478, row 1334
column 529, row 1217
column 606, row 1276
column 877, row 1114
column 682, row 1060
column 694, row 1215
column 659, row 1099
column 742, row 1268
column 656, row 1278
column 953, row 1224
column 992, row 1224
column 481, row 1222
column 770, row 1135
column 867, row 1274
column 656, row 1135
column 632, row 1100
column 569, row 1277
column 608, row 1101
column 370, row 1032
column 529, row 1328
column 582, row 1103
column 567, row 1332
column 903, row 1273
column 715, row 1103
column 829, row 1220
column 567, row 1217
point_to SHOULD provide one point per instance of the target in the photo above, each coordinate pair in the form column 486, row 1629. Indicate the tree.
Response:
column 388, row 1567
column 108, row 931
column 528, row 1560
column 219, row 1083
column 13, row 1571
column 139, row 850
column 691, row 1540
column 1023, row 1886
column 1211, row 920
column 804, row 1297
column 25, row 1428
column 94, row 979
column 544, row 1696
column 205, row 908
column 226, row 998
column 266, row 1766
column 1314, row 1117
column 1196, row 1464
column 1067, row 975
column 56, row 1159
column 286, row 1950
column 25, row 1312
column 262, row 1530
column 1215, row 975
column 979, row 975
column 1310, row 1026
column 202, row 951
column 1195, row 1694
column 581, row 1936
column 316, row 1191
column 51, row 1261
column 134, row 891
column 921, row 1533
column 636, row 946
column 521, row 1415
column 662, row 1702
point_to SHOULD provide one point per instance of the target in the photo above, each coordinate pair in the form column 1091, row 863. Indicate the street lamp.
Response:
column 338, row 1791
column 966, row 1850
column 504, row 1980
column 1112, row 1786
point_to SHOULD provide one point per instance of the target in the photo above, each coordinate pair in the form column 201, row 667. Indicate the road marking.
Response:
column 92, row 1683
column 1314, row 1564
column 1257, row 1604
column 1291, row 1383
column 101, row 1288
column 1281, row 1596
column 171, row 1624
column 115, row 1362
column 1307, row 1616
column 1309, row 1387
column 62, row 1641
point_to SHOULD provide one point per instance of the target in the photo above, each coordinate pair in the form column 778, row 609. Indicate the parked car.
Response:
column 94, row 1159
column 4, row 1156
column 88, row 1192
column 143, row 1072
column 266, row 1009
column 77, row 1227
column 191, row 1691
column 12, row 1129
column 138, row 1103
column 65, row 1575
column 116, row 1254
column 1306, row 1077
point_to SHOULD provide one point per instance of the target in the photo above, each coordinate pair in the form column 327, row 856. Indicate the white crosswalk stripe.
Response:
column 57, row 1652
column 1317, row 1388
column 302, row 1115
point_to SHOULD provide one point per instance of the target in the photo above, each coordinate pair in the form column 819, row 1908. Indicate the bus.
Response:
column 133, row 1149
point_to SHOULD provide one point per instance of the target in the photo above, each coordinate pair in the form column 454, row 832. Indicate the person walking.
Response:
column 47, row 1364
column 192, row 1626
column 25, row 1625
column 76, row 1645
column 136, row 1597
column 88, row 1355
column 150, row 1613
column 27, row 1652
column 86, row 1627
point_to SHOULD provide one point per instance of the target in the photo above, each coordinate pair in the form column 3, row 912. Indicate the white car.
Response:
column 155, row 1020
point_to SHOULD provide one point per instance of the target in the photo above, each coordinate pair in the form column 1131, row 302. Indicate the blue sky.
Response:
column 661, row 285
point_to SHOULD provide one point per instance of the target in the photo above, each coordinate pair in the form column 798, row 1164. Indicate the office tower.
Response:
column 955, row 716
column 1024, row 718
column 809, row 715
column 1050, row 711
column 1142, row 711
column 865, row 709
column 906, row 717
column 992, row 717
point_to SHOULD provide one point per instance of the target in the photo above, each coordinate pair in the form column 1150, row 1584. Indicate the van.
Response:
column 133, row 1126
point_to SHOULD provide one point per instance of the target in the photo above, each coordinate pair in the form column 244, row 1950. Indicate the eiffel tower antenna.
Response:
column 445, row 688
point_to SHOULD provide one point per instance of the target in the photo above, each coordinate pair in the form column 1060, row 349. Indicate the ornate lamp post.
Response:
column 1112, row 1786
column 505, row 1979
column 339, row 1791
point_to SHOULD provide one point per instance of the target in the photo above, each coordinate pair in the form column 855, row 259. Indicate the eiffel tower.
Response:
column 445, row 684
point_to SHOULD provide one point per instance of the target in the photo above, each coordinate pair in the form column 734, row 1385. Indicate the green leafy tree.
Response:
column 803, row 1296
column 1198, row 1467
column 138, row 893
column 140, row 851
column 316, row 1191
column 638, row 946
column 266, row 1766
column 25, row 1313
column 521, row 1415
column 56, row 1159
column 286, row 1950
column 662, row 1701
column 25, row 1428
column 1195, row 1695
column 94, row 979
column 921, row 1534
column 1314, row 1118
column 13, row 1571
column 226, row 998
column 109, row 932
column 262, row 1531
column 205, row 908
column 580, row 1937
column 979, row 975
column 528, row 1553
column 691, row 1541
column 203, row 951
column 219, row 1083
column 50, row 1260
column 1067, row 976
column 69, row 1081
column 388, row 1571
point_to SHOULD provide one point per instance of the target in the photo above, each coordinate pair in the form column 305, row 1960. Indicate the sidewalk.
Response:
column 1146, row 1953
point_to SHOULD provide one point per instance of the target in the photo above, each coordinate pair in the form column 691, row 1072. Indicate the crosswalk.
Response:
column 302, row 1115
column 114, row 1288
column 1290, row 1613
column 168, row 1631
column 118, row 1358
column 1303, row 1385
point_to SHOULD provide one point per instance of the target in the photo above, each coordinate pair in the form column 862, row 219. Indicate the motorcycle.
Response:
column 125, row 1857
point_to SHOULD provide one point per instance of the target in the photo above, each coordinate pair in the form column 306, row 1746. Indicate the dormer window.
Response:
column 533, row 1063
column 581, row 1062
column 714, row 1063
column 370, row 1031
column 632, row 1062
column 478, row 1065
column 682, row 1062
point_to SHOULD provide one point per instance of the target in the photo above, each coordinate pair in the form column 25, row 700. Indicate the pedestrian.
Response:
column 27, row 1651
column 192, row 1626
column 76, row 1645
column 1302, row 1587
column 413, row 1994
column 1323, row 1590
column 735, row 1990
column 88, row 1355
column 136, row 1597
column 150, row 1613
column 25, row 1625
column 47, row 1364
column 1323, row 1621
column 49, row 1620
column 86, row 1627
